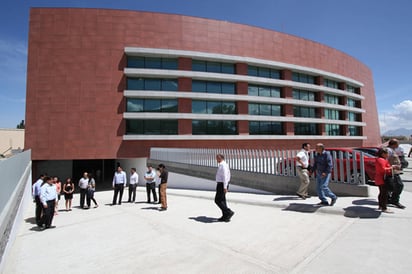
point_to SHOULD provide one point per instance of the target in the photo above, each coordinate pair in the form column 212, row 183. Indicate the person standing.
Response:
column 302, row 167
column 91, row 189
column 119, row 182
column 58, row 184
column 383, row 169
column 164, row 174
column 394, row 160
column 36, row 191
column 322, row 168
column 48, row 199
column 68, row 190
column 134, row 179
column 150, row 177
column 83, row 185
column 222, row 187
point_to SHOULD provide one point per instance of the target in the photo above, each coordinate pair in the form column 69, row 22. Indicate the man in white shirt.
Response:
column 134, row 179
column 150, row 177
column 36, row 197
column 302, row 165
column 48, row 197
column 83, row 184
column 222, row 186
column 119, row 182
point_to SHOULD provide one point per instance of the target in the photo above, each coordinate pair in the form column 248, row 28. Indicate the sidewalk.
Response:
column 267, row 234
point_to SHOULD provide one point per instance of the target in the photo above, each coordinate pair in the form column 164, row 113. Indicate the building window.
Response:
column 265, row 109
column 303, row 95
column 213, row 127
column 332, row 114
column 331, row 99
column 265, row 128
column 207, row 66
column 305, row 129
column 263, row 72
column 352, row 103
column 350, row 88
column 353, row 116
column 303, row 78
column 306, row 112
column 354, row 131
column 151, row 127
column 332, row 130
column 265, row 91
column 213, row 87
column 151, row 84
column 151, row 62
column 330, row 83
column 213, row 107
column 151, row 105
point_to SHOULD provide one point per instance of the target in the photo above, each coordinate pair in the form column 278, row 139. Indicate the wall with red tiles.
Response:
column 75, row 76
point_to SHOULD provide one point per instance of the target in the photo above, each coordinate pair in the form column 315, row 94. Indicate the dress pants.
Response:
column 83, row 193
column 220, row 200
column 383, row 197
column 132, row 192
column 39, row 210
column 151, row 187
column 394, row 196
column 48, row 213
column 303, row 174
column 118, row 190
column 163, row 198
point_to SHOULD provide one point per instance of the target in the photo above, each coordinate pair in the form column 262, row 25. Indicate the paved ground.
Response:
column 268, row 234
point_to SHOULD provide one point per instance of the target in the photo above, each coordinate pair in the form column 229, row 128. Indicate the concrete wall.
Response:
column 11, row 140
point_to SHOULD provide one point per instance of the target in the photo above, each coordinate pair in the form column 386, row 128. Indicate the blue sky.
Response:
column 376, row 32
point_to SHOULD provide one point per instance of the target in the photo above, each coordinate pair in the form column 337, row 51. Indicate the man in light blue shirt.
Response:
column 119, row 182
column 36, row 197
column 48, row 197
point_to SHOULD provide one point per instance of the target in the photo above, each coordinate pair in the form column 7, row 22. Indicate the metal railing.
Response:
column 347, row 167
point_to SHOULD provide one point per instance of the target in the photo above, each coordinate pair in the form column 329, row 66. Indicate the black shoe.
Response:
column 229, row 216
column 221, row 219
column 163, row 209
column 301, row 196
column 307, row 196
column 333, row 202
column 399, row 205
column 323, row 204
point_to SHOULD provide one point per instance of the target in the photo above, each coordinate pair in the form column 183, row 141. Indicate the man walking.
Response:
column 322, row 168
column 222, row 186
column 36, row 196
column 302, row 167
column 394, row 160
column 119, row 182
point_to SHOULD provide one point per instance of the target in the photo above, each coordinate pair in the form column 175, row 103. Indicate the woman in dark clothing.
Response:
column 68, row 189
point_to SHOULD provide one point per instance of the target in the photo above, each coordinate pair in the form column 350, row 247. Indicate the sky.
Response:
column 376, row 32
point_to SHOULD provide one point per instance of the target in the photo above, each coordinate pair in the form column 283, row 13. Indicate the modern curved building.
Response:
column 111, row 84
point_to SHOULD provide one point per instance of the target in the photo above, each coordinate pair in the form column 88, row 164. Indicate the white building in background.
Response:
column 11, row 141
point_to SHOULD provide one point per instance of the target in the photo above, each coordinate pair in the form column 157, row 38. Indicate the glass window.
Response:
column 155, row 127
column 213, row 67
column 135, row 84
column 199, row 86
column 216, row 67
column 306, row 112
column 228, row 88
column 134, row 105
column 265, row 128
column 228, row 108
column 253, row 90
column 350, row 88
column 135, row 62
column 214, row 108
column 199, row 106
column 263, row 72
column 303, row 95
column 303, row 78
column 332, row 130
column 170, row 85
column 151, row 105
column 354, row 131
column 228, row 68
column 213, row 127
column 252, row 71
column 213, row 87
column 331, row 99
column 332, row 114
column 351, row 102
column 266, row 91
column 330, row 83
column 305, row 129
column 198, row 65
column 153, row 84
column 253, row 109
column 151, row 62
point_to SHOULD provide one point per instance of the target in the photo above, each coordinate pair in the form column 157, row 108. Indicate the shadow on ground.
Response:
column 304, row 208
column 362, row 212
column 204, row 219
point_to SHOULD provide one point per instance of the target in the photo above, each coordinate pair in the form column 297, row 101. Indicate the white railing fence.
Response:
column 347, row 167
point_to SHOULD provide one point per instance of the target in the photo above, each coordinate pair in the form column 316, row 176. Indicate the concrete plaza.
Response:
column 268, row 234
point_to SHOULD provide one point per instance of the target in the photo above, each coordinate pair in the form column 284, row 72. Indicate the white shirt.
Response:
column 36, row 187
column 150, row 176
column 304, row 157
column 83, row 183
column 223, row 174
column 134, row 179
column 48, row 193
column 119, row 178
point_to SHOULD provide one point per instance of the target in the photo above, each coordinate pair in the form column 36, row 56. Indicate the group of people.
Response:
column 387, row 164
column 151, row 176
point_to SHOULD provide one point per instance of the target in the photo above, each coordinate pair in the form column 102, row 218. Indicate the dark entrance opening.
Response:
column 102, row 171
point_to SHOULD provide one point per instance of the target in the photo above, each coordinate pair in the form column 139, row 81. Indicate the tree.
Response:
column 21, row 125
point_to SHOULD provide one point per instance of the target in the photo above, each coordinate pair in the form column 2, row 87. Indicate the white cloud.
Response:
column 400, row 116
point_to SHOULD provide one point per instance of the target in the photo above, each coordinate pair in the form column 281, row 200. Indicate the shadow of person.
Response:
column 287, row 198
column 304, row 208
column 361, row 212
column 31, row 220
column 360, row 202
column 204, row 219
column 150, row 208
